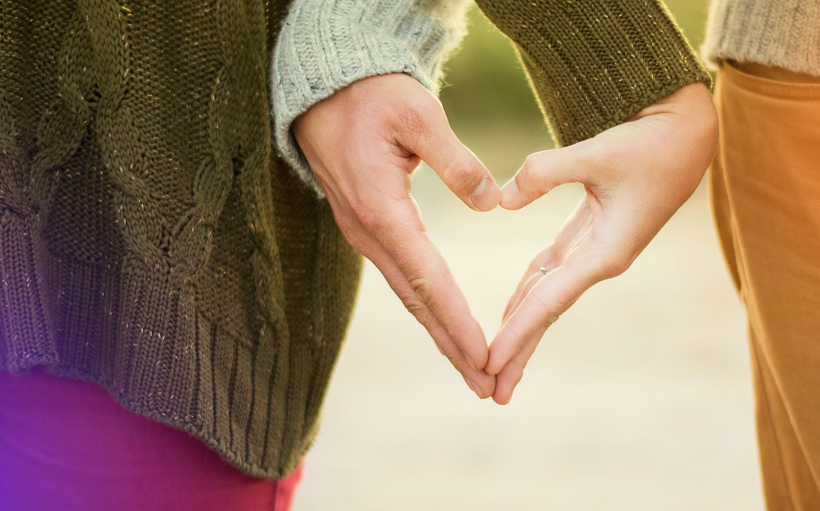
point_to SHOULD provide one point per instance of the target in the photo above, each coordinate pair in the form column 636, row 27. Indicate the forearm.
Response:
column 596, row 63
column 326, row 45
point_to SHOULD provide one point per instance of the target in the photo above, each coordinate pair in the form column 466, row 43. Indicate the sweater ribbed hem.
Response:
column 164, row 356
column 778, row 33
column 595, row 64
column 326, row 45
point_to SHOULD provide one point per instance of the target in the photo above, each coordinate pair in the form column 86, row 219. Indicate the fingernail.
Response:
column 485, row 196
column 509, row 192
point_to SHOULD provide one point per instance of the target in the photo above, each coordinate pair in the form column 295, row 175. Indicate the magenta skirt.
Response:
column 67, row 445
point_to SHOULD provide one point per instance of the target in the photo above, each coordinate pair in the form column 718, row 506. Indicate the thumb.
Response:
column 544, row 171
column 432, row 140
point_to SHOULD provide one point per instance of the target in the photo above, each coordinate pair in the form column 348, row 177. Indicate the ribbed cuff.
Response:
column 779, row 33
column 326, row 45
column 596, row 63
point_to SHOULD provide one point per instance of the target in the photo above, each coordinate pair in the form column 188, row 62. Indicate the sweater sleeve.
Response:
column 326, row 45
column 596, row 63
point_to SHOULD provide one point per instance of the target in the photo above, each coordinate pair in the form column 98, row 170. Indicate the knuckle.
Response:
column 364, row 214
column 422, row 288
column 529, row 166
column 531, row 175
column 531, row 162
column 425, row 317
column 352, row 235
column 622, row 264
column 550, row 315
column 418, row 310
column 615, row 266
column 462, row 174
column 411, row 117
column 370, row 222
column 620, row 267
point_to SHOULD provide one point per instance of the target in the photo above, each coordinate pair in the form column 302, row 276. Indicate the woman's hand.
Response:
column 636, row 175
column 362, row 144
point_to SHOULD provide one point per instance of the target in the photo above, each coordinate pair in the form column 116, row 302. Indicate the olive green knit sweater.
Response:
column 152, row 242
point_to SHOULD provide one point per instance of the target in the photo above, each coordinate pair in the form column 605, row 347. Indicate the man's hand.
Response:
column 636, row 175
column 362, row 144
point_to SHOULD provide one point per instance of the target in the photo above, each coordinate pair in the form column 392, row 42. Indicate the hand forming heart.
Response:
column 363, row 142
column 636, row 175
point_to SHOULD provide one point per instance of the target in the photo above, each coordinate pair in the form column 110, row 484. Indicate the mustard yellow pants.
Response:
column 766, row 198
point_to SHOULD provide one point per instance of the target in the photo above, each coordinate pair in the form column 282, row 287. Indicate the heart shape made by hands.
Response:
column 364, row 142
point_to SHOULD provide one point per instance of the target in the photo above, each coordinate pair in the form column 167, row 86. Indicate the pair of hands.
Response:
column 364, row 142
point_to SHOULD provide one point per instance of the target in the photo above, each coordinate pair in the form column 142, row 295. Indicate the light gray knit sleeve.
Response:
column 326, row 45
column 779, row 33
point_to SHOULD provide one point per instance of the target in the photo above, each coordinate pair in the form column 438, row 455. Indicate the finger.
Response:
column 388, row 230
column 532, row 278
column 544, row 171
column 528, row 283
column 479, row 381
column 431, row 138
column 542, row 260
column 511, row 374
column 399, row 229
column 541, row 307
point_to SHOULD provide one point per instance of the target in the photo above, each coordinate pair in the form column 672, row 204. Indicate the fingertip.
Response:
column 486, row 387
column 501, row 351
column 509, row 192
column 495, row 363
column 502, row 398
column 473, row 386
column 470, row 339
column 506, row 383
column 481, row 363
column 487, row 195
column 511, row 196
column 484, row 394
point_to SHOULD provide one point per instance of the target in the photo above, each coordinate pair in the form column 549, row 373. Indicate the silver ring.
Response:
column 544, row 270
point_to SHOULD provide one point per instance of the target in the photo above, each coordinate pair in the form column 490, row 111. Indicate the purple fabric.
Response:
column 67, row 445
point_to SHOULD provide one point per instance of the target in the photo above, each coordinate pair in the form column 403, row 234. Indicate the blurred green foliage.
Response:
column 489, row 101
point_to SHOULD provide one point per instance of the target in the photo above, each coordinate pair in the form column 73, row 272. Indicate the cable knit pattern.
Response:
column 148, row 235
column 780, row 33
column 328, row 44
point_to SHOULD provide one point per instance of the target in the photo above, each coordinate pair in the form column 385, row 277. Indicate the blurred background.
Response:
column 639, row 398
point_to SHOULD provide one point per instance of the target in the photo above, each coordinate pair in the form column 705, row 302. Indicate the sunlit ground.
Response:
column 639, row 398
